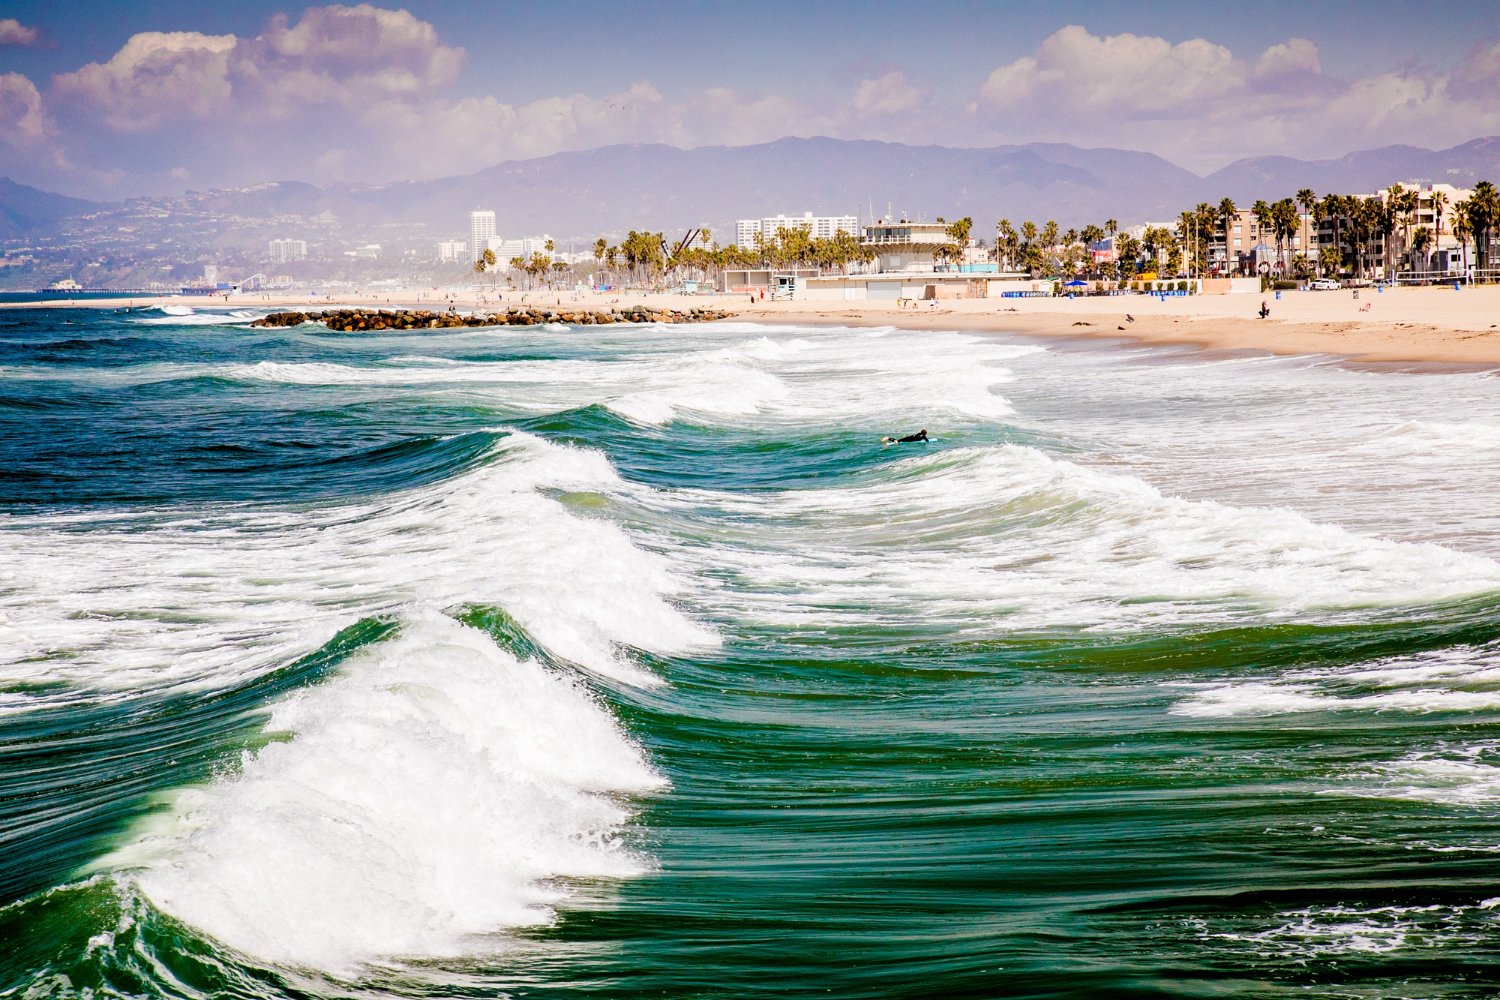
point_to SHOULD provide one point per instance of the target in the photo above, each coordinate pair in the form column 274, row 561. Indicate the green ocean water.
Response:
column 627, row 662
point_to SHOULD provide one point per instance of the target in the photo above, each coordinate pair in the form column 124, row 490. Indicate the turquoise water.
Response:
column 627, row 662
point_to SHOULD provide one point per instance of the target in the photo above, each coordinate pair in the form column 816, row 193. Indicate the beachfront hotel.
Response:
column 481, row 231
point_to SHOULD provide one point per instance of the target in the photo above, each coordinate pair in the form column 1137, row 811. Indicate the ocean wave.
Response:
column 148, row 600
column 1010, row 537
column 431, row 794
column 187, row 316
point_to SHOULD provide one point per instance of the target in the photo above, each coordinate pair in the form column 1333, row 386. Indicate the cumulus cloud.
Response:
column 340, row 54
column 13, row 32
column 156, row 77
column 1295, row 55
column 1199, row 104
column 21, row 121
column 890, row 94
column 1118, row 74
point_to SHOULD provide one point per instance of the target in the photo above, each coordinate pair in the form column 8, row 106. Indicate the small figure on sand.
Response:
column 1265, row 310
column 1129, row 318
column 921, row 435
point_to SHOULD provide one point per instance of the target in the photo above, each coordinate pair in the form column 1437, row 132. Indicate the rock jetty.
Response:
column 369, row 320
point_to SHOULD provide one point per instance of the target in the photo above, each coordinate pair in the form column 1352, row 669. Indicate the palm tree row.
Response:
column 649, row 258
column 1363, row 229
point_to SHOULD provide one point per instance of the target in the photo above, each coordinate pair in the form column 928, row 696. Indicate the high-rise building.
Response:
column 286, row 251
column 481, row 231
column 452, row 250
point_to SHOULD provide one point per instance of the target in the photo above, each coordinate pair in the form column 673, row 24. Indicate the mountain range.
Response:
column 609, row 190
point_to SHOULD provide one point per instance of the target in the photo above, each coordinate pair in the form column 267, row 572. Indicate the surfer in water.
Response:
column 921, row 435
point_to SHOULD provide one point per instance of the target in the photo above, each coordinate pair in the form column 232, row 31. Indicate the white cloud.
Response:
column 1295, row 55
column 1196, row 103
column 890, row 94
column 21, row 121
column 343, row 54
column 156, row 78
column 1075, row 72
column 13, row 32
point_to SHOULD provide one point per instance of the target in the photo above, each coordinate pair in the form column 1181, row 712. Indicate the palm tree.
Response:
column 1484, row 215
column 1439, row 202
column 1333, row 209
column 1285, row 219
column 1228, row 213
column 1420, row 240
column 1262, row 213
column 1462, row 230
column 485, row 263
column 1307, row 199
column 1311, row 208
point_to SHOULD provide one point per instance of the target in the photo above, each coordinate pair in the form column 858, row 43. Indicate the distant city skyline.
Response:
column 113, row 100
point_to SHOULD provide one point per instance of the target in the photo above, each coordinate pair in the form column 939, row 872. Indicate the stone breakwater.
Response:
column 364, row 320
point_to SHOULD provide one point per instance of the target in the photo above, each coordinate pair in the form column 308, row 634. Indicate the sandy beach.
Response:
column 1411, row 325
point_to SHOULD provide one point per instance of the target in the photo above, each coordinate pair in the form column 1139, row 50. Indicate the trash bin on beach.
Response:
column 1278, row 296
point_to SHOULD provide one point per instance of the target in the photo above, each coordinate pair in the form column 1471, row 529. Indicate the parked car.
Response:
column 1324, row 285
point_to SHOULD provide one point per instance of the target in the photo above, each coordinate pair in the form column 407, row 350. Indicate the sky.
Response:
column 114, row 99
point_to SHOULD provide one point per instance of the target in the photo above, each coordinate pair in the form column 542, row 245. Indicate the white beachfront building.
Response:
column 506, row 250
column 451, row 250
column 481, row 231
column 819, row 226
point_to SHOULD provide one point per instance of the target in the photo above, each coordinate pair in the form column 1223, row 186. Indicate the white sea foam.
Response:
column 432, row 795
column 144, row 600
column 1334, row 931
column 1438, row 440
column 1009, row 537
column 186, row 316
column 1454, row 679
column 1466, row 775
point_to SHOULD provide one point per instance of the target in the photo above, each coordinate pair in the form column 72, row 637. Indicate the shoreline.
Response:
column 1411, row 326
